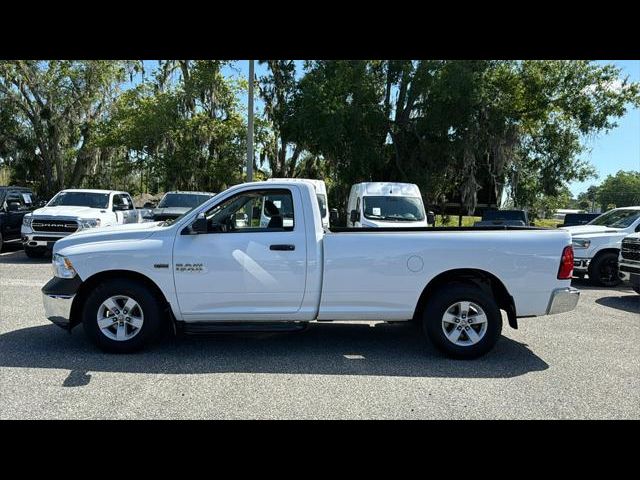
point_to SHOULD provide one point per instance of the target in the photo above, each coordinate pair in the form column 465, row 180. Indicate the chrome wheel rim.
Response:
column 120, row 318
column 464, row 323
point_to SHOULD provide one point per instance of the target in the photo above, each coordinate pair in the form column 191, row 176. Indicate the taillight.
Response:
column 566, row 264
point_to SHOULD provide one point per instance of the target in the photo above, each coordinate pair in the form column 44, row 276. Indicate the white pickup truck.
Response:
column 217, row 268
column 597, row 244
column 74, row 210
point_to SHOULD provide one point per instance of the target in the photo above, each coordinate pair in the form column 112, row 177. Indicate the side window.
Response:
column 128, row 201
column 118, row 202
column 253, row 211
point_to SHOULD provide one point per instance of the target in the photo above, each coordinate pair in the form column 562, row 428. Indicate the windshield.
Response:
column 616, row 218
column 190, row 200
column 80, row 199
column 397, row 209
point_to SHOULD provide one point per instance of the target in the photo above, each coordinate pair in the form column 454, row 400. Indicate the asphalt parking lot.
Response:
column 582, row 364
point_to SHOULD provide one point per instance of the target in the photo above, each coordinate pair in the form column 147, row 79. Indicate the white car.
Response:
column 629, row 261
column 597, row 244
column 71, row 211
column 218, row 269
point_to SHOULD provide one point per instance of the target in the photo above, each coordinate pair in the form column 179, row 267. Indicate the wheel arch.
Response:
column 480, row 278
column 91, row 282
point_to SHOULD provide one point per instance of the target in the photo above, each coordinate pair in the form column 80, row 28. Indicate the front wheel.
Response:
column 603, row 270
column 462, row 321
column 121, row 316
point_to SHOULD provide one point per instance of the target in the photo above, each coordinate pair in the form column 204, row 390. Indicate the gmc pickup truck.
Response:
column 218, row 268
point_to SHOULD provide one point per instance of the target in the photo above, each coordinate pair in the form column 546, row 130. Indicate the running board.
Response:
column 198, row 328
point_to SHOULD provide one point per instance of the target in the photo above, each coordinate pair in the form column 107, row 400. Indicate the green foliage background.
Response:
column 458, row 129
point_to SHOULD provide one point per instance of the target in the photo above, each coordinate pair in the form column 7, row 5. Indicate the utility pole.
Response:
column 250, row 126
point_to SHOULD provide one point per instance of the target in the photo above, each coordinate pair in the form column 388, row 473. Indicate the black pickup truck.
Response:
column 15, row 202
column 491, row 218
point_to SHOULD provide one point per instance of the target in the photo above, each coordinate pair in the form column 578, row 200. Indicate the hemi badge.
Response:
column 161, row 265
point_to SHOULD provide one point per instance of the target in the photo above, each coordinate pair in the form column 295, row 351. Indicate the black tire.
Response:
column 441, row 301
column 1, row 240
column 35, row 252
column 603, row 270
column 152, row 324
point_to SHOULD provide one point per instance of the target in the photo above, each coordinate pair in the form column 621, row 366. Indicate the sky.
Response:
column 609, row 152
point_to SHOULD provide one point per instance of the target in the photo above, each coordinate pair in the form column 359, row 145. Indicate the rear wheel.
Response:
column 603, row 270
column 462, row 321
column 122, row 316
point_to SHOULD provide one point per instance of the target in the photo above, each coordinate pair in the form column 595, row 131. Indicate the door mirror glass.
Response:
column 354, row 216
column 431, row 218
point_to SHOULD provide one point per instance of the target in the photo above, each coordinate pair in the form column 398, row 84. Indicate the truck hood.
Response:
column 582, row 230
column 368, row 223
column 129, row 231
column 69, row 211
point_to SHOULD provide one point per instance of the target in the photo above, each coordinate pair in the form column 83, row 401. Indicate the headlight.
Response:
column 62, row 267
column 88, row 223
column 579, row 243
column 26, row 220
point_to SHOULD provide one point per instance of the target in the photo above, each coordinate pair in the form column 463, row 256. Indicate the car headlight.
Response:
column 88, row 222
column 579, row 243
column 26, row 220
column 62, row 267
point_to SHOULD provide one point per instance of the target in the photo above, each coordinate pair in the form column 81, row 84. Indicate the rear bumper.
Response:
column 563, row 300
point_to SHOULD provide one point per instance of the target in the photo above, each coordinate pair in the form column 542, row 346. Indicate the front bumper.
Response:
column 563, row 300
column 57, row 296
column 629, row 273
column 40, row 240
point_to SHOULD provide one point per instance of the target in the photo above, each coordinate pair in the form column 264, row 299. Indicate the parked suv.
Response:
column 15, row 202
column 629, row 261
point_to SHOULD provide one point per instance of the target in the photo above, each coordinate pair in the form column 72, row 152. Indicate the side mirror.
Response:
column 13, row 206
column 199, row 226
column 333, row 215
column 354, row 216
column 149, row 205
column 120, row 208
column 431, row 219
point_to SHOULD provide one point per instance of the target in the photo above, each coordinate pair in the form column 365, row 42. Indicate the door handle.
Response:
column 284, row 247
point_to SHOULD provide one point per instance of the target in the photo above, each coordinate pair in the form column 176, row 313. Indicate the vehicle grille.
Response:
column 631, row 250
column 60, row 226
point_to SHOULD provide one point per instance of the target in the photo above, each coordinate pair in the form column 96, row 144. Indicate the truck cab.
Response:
column 385, row 205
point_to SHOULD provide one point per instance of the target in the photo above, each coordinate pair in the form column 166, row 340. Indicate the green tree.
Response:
column 54, row 108
column 620, row 190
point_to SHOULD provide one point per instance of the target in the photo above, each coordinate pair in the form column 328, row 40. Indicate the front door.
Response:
column 242, row 269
